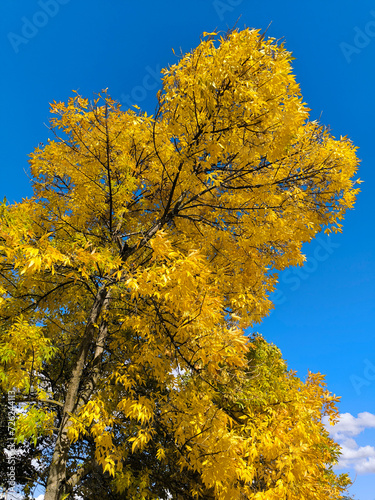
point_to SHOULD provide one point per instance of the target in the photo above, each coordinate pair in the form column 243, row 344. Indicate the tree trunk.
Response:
column 57, row 483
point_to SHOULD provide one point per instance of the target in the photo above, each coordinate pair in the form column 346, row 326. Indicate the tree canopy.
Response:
column 129, row 277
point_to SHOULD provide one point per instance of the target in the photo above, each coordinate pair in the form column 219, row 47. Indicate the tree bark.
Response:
column 57, row 483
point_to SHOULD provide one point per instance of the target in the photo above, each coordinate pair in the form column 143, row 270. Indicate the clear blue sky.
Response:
column 324, row 315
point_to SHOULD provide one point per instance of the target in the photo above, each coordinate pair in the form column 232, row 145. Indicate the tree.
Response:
column 149, row 245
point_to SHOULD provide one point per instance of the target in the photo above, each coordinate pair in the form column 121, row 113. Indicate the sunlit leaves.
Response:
column 149, row 245
column 32, row 423
column 23, row 349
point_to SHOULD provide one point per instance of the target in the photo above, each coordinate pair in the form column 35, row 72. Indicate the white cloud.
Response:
column 367, row 467
column 359, row 458
column 352, row 426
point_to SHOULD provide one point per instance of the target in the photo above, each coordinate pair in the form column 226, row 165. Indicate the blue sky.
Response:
column 324, row 314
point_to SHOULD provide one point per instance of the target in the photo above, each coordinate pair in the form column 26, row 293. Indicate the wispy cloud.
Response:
column 359, row 458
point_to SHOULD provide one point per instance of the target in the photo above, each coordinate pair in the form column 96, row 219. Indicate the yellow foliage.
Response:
column 149, row 245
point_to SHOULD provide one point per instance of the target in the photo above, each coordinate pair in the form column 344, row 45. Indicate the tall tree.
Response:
column 150, row 243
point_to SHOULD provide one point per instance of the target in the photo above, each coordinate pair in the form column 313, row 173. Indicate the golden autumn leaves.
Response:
column 151, row 242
